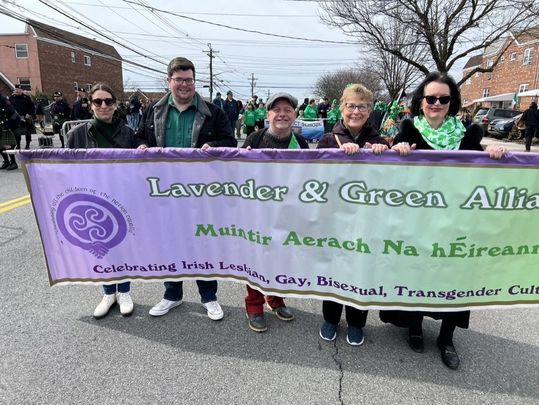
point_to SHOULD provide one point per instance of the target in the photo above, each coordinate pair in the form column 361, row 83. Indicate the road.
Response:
column 53, row 352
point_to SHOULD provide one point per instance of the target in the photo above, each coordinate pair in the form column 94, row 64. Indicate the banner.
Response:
column 433, row 231
column 310, row 130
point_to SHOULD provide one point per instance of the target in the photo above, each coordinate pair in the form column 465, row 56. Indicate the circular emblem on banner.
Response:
column 91, row 223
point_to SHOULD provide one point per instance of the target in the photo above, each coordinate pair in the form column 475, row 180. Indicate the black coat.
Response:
column 531, row 117
column 409, row 133
column 83, row 137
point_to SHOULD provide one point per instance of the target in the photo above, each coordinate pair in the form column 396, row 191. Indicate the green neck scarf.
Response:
column 293, row 143
column 447, row 137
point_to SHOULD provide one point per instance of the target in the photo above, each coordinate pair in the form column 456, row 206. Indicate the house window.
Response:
column 25, row 83
column 21, row 51
column 75, row 86
column 523, row 87
column 87, row 60
column 502, row 59
column 73, row 57
column 486, row 92
column 489, row 63
column 527, row 59
column 513, row 56
column 88, row 87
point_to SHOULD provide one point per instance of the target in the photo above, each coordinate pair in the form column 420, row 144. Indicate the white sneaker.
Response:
column 163, row 306
column 103, row 307
column 126, row 303
column 215, row 312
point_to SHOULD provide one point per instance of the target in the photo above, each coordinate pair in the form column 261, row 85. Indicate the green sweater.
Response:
column 249, row 118
column 310, row 113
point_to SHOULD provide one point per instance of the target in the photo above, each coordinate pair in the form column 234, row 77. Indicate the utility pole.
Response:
column 211, row 53
column 253, row 82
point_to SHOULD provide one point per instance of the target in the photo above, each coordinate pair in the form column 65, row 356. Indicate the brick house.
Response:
column 517, row 71
column 46, row 59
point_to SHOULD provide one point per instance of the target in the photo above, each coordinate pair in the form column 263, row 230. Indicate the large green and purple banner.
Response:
column 433, row 231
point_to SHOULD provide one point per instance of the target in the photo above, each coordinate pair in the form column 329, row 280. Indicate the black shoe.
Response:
column 12, row 166
column 257, row 322
column 4, row 166
column 27, row 147
column 449, row 355
column 416, row 342
column 283, row 313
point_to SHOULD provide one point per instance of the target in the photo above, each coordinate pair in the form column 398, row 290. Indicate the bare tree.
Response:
column 451, row 30
column 331, row 85
column 393, row 72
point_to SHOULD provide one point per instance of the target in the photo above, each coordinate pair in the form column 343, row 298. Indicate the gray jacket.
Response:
column 210, row 126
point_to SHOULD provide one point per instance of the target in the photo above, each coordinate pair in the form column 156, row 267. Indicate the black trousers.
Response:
column 531, row 131
column 332, row 312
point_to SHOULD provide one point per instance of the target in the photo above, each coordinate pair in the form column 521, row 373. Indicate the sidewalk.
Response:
column 513, row 146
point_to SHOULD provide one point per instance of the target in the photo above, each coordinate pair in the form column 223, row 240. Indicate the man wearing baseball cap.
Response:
column 60, row 113
column 81, row 107
column 281, row 115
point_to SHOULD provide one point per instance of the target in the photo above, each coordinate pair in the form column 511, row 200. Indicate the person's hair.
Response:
column 180, row 63
column 312, row 100
column 455, row 103
column 101, row 86
column 356, row 89
column 533, row 104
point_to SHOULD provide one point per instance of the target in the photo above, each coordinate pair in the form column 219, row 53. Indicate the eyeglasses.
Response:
column 179, row 80
column 433, row 99
column 98, row 102
column 350, row 107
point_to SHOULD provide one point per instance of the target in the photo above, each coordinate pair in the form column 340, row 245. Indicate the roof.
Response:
column 529, row 35
column 499, row 97
column 473, row 61
column 8, row 83
column 78, row 41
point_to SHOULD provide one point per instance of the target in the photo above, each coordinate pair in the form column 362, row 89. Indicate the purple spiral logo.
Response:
column 91, row 223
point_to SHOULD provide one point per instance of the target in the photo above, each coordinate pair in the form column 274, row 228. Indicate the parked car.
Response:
column 500, row 128
column 486, row 115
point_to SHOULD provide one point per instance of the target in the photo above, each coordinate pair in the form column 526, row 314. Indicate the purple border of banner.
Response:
column 455, row 158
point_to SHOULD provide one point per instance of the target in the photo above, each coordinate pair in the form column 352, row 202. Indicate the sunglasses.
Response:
column 98, row 102
column 433, row 99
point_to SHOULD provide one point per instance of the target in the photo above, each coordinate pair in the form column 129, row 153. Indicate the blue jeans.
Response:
column 121, row 288
column 206, row 289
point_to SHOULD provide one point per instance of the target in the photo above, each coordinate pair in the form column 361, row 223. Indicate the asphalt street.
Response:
column 52, row 351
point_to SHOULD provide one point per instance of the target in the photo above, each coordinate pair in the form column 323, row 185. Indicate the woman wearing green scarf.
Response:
column 435, row 105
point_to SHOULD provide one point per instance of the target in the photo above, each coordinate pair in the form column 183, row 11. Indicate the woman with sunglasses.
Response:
column 105, row 131
column 435, row 104
column 350, row 134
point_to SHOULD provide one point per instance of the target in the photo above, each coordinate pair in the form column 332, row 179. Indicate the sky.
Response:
column 158, row 30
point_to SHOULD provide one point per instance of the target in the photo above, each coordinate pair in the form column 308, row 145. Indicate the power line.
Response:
column 243, row 29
